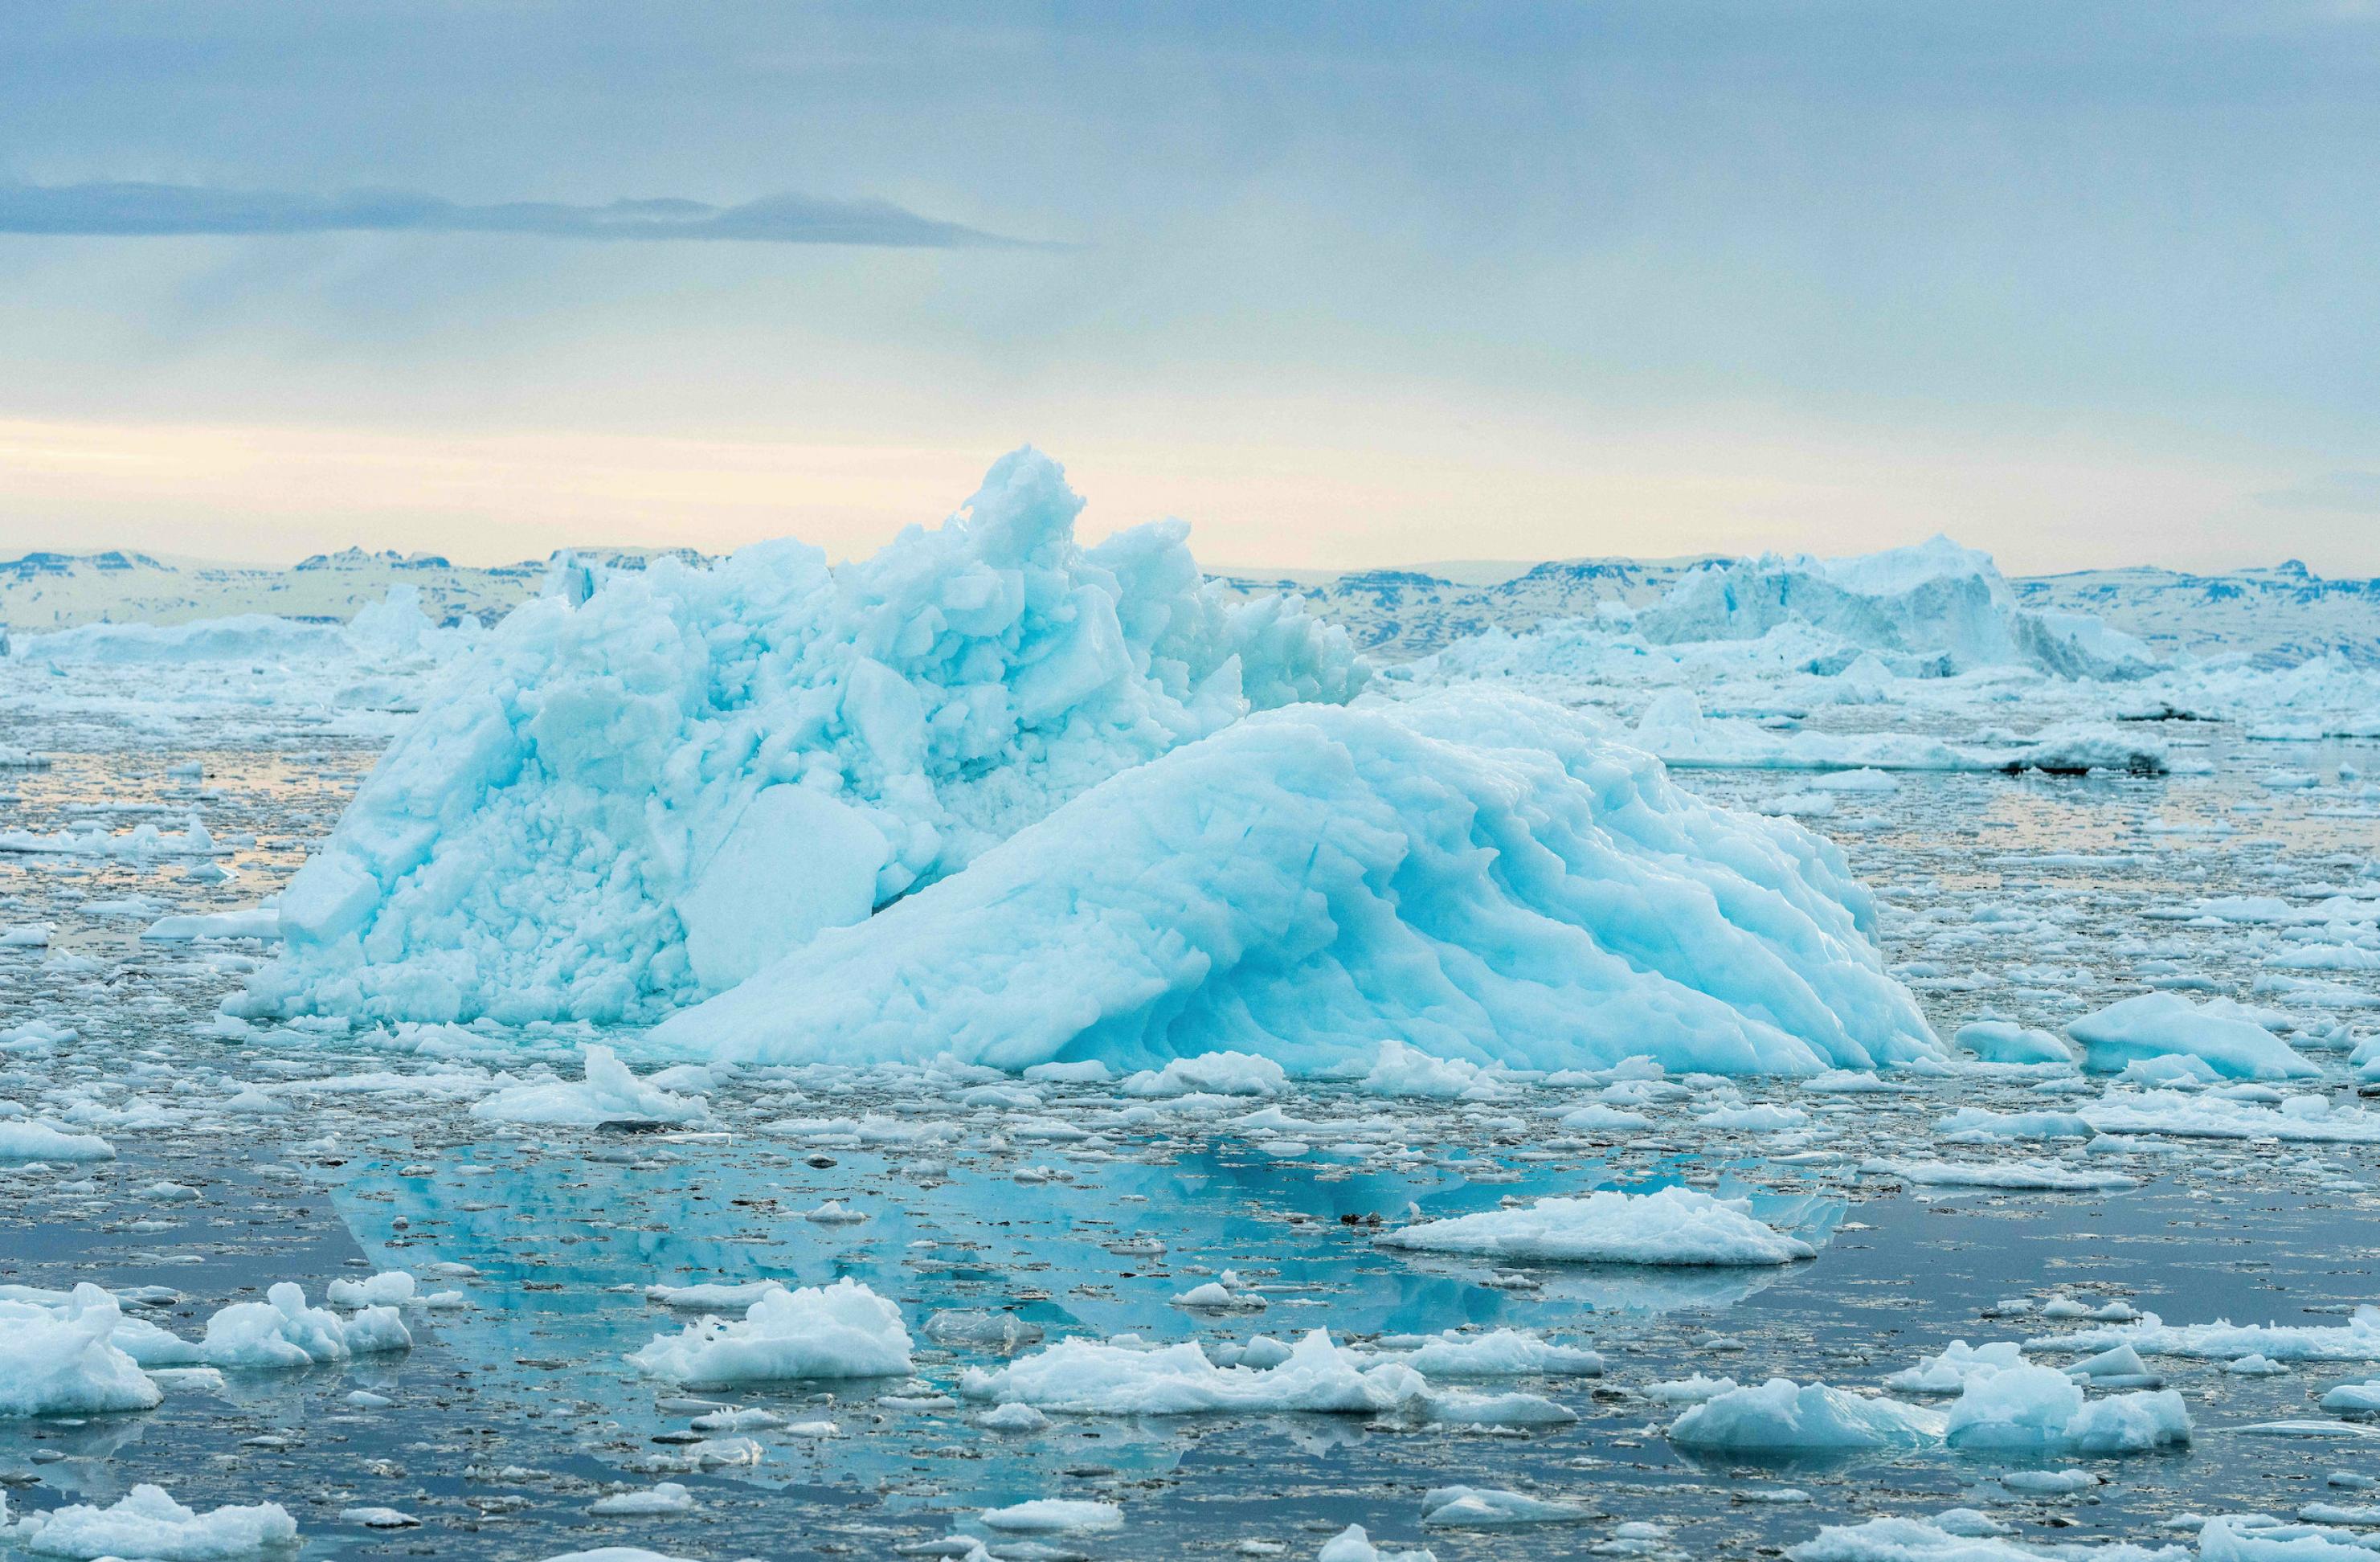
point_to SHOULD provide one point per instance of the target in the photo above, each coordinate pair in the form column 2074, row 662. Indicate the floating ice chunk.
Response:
column 1052, row 1515
column 1479, row 876
column 841, row 1330
column 609, row 1092
column 1997, row 1041
column 379, row 1519
column 622, row 806
column 256, row 922
column 26, row 934
column 620, row 1554
column 1977, row 1125
column 1211, row 1073
column 1483, row 1508
column 1096, row 1377
column 2119, row 1368
column 281, row 1331
column 2358, row 1340
column 1595, row 1118
column 1917, row 1540
column 21, row 1141
column 834, row 1211
column 1498, row 1353
column 2360, row 1398
column 385, row 1289
column 2163, row 1024
column 1677, row 1226
column 2048, row 1483
column 1853, row 1081
column 1352, row 1544
column 1692, row 1390
column 2030, row 1407
column 148, row 1523
column 2044, row 1176
column 1957, row 1365
column 1763, row 1118
column 1012, row 1418
column 1406, row 1072
column 1784, row 1417
column 2078, row 747
column 2225, row 1539
column 668, row 1497
column 2256, row 1366
column 2299, row 1117
column 64, row 1361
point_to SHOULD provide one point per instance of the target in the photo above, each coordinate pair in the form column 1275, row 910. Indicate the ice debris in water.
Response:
column 611, row 810
column 149, row 1523
column 841, row 1330
column 1675, row 1225
column 1482, row 876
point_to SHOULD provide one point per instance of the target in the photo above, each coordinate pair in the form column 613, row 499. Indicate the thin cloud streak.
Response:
column 149, row 210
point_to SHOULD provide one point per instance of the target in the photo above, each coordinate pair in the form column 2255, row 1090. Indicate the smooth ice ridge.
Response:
column 64, row 1361
column 841, row 1330
column 613, row 808
column 1476, row 874
column 1677, row 1226
column 149, row 1523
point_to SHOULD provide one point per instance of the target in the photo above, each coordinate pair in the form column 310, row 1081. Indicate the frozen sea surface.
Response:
column 1001, row 1217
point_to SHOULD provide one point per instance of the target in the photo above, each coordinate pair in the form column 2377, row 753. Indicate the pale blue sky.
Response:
column 1344, row 285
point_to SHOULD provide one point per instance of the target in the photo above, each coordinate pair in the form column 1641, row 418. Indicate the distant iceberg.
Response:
column 1945, row 606
column 1477, row 874
column 614, row 808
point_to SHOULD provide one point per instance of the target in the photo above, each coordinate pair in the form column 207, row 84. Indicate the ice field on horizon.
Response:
column 1012, row 1048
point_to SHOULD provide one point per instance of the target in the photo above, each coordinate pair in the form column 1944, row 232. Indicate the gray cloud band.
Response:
column 135, row 211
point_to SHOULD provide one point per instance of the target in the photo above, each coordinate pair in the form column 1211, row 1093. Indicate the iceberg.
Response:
column 1478, row 875
column 1939, row 607
column 611, row 808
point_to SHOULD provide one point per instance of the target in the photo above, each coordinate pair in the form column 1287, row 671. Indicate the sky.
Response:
column 1344, row 286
